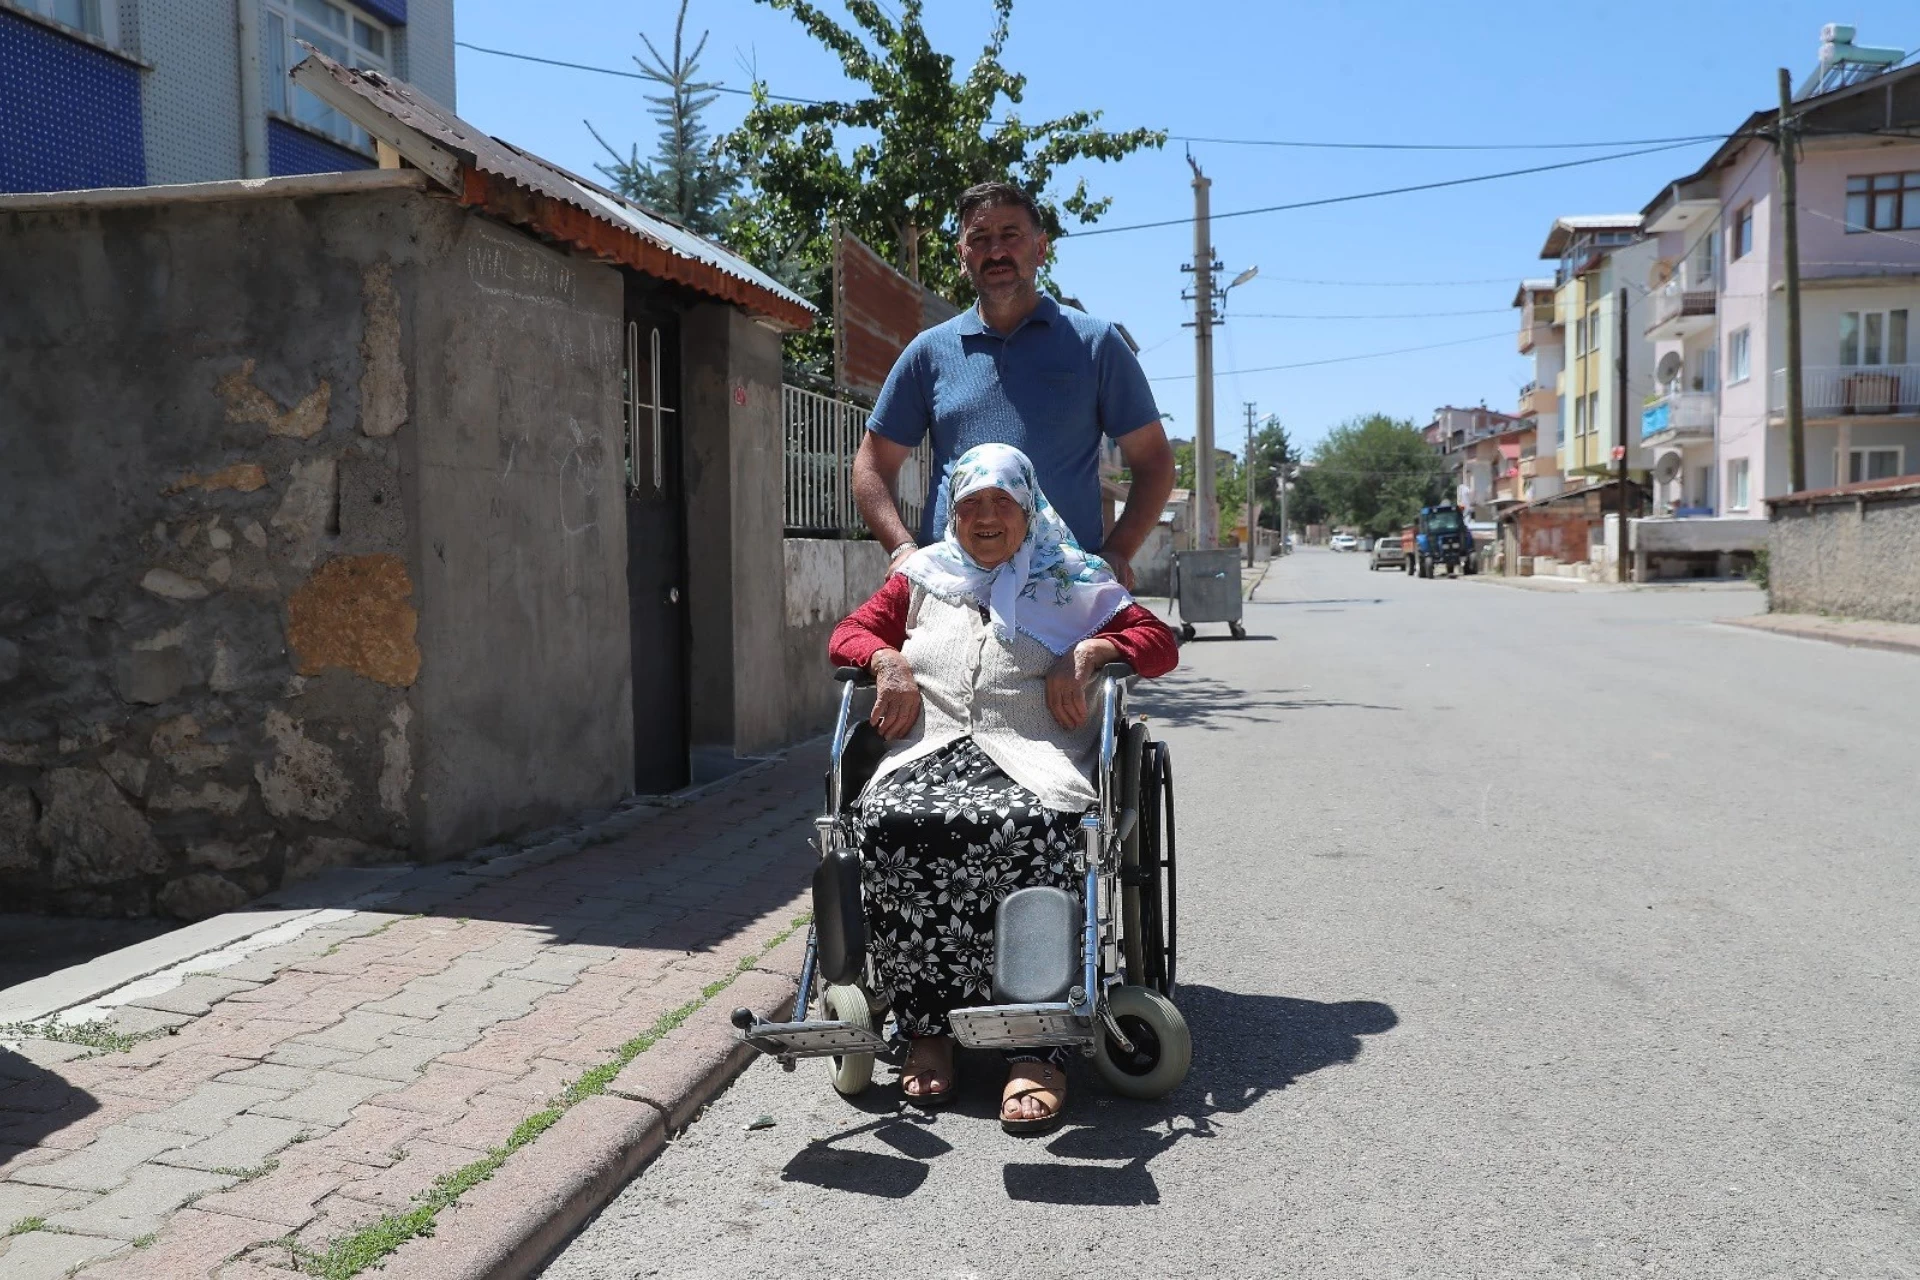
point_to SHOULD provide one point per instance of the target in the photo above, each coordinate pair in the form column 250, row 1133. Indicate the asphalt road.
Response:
column 1524, row 933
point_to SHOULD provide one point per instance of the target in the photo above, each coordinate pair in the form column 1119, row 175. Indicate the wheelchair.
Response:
column 1096, row 974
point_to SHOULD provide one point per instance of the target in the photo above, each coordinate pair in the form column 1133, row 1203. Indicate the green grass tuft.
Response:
column 25, row 1225
column 98, row 1035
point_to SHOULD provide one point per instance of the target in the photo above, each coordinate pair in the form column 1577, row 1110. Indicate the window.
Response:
column 1579, row 416
column 1580, row 334
column 1737, row 485
column 1593, row 412
column 1593, row 328
column 1883, row 202
column 1738, row 356
column 1873, row 338
column 1740, row 234
column 97, row 18
column 1872, row 464
column 341, row 32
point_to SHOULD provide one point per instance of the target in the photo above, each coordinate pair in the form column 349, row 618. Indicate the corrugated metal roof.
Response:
column 378, row 103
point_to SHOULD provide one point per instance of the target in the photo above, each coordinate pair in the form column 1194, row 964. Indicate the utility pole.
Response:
column 1247, row 476
column 1785, row 138
column 1205, row 512
column 1623, row 422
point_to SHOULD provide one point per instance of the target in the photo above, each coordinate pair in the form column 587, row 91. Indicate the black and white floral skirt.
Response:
column 942, row 841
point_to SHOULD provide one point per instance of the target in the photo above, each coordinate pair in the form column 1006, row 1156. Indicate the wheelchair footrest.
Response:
column 1019, row 1026
column 812, row 1039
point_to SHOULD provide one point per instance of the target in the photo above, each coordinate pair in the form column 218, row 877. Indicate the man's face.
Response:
column 1002, row 251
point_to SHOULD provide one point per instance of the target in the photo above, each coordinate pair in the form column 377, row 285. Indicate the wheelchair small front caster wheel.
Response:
column 1239, row 630
column 1162, row 1045
column 852, row 1072
column 1187, row 631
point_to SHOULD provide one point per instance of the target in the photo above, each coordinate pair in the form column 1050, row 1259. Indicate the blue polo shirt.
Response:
column 1051, row 389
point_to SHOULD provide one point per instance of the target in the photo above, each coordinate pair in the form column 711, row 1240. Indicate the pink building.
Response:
column 1716, row 426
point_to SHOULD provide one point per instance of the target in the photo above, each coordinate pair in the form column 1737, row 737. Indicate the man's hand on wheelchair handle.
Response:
column 896, row 703
column 1067, row 682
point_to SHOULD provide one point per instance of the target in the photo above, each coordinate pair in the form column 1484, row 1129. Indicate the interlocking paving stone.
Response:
column 105, row 1164
column 207, row 1110
column 136, row 1021
column 269, row 1075
column 141, row 1203
column 192, row 1244
column 397, row 1184
column 284, row 1196
column 24, row 1058
column 373, row 1136
column 20, row 1200
column 295, row 1054
column 246, row 1143
column 400, row 1060
column 336, row 1216
column 358, row 1030
column 49, row 1255
column 329, row 1100
column 195, row 995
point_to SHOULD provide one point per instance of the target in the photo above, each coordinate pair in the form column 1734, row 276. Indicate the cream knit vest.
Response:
column 971, row 683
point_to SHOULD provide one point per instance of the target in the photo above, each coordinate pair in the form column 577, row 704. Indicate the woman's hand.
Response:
column 896, row 705
column 1067, row 682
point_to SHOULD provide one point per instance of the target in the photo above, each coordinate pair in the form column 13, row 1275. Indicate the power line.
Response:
column 1387, row 191
column 1308, row 364
column 1385, row 315
column 1389, row 284
column 626, row 75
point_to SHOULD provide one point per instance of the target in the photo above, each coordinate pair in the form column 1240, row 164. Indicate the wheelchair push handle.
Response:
column 1117, row 671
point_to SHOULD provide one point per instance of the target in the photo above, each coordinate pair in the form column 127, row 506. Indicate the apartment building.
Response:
column 1724, row 319
column 1599, row 257
column 1543, row 338
column 1470, row 439
column 117, row 93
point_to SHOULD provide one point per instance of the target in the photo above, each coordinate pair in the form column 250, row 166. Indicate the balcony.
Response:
column 1536, row 400
column 1680, row 311
column 1850, row 391
column 1533, row 319
column 1683, row 413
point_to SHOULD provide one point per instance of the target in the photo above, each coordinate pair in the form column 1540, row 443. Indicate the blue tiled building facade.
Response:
column 112, row 93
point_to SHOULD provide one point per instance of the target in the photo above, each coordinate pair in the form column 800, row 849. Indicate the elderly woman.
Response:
column 983, row 646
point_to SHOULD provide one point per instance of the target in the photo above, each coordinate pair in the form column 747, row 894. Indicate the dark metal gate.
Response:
column 656, row 543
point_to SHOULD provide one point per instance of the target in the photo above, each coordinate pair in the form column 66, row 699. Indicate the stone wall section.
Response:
column 207, row 618
column 1854, row 556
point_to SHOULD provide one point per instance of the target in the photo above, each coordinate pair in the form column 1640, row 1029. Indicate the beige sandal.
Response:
column 926, row 1074
column 1052, row 1081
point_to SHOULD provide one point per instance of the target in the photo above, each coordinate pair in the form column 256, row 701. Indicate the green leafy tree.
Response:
column 889, row 163
column 688, row 179
column 1375, row 473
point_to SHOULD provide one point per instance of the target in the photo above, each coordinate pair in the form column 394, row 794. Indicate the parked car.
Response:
column 1387, row 553
column 1342, row 542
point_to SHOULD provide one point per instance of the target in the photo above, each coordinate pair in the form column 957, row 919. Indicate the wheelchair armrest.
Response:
column 860, row 678
column 1117, row 670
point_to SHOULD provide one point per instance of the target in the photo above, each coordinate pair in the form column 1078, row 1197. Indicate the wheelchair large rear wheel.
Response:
column 1149, row 889
column 1162, row 1047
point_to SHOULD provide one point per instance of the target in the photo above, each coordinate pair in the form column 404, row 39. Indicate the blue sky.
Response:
column 1393, row 70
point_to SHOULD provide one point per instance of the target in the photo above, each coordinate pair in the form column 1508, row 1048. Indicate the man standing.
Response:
column 1017, row 369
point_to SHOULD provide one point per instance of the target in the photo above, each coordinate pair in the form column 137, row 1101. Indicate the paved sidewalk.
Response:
column 1859, row 633
column 491, row 1053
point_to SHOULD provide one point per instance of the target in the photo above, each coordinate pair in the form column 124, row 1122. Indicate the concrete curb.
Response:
column 514, row 1223
column 1829, row 633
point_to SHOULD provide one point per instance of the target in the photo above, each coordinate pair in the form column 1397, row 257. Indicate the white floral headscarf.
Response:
column 1049, row 589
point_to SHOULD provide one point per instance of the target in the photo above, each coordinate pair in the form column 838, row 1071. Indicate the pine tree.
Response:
column 687, row 181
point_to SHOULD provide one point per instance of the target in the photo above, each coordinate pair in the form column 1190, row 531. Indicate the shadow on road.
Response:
column 872, row 1173
column 39, row 1103
column 1245, row 1047
column 1202, row 702
column 1353, row 600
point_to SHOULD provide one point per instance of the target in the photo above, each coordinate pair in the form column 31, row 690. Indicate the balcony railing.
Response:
column 1842, row 391
column 1536, row 400
column 1687, row 413
column 822, row 435
column 1676, row 304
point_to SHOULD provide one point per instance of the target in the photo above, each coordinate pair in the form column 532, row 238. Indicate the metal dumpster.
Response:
column 1206, row 588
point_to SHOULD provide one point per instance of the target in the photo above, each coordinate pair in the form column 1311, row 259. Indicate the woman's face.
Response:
column 990, row 525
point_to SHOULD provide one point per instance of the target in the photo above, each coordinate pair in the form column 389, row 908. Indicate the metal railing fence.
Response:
column 822, row 435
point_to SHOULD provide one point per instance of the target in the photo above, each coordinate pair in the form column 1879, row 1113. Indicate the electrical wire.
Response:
column 1385, row 315
column 1386, row 191
column 1308, row 364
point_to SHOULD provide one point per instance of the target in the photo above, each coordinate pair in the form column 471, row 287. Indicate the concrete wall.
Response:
column 734, row 457
column 1856, row 558
column 296, row 574
column 825, row 581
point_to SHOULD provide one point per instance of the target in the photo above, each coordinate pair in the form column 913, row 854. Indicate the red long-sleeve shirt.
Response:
column 881, row 623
